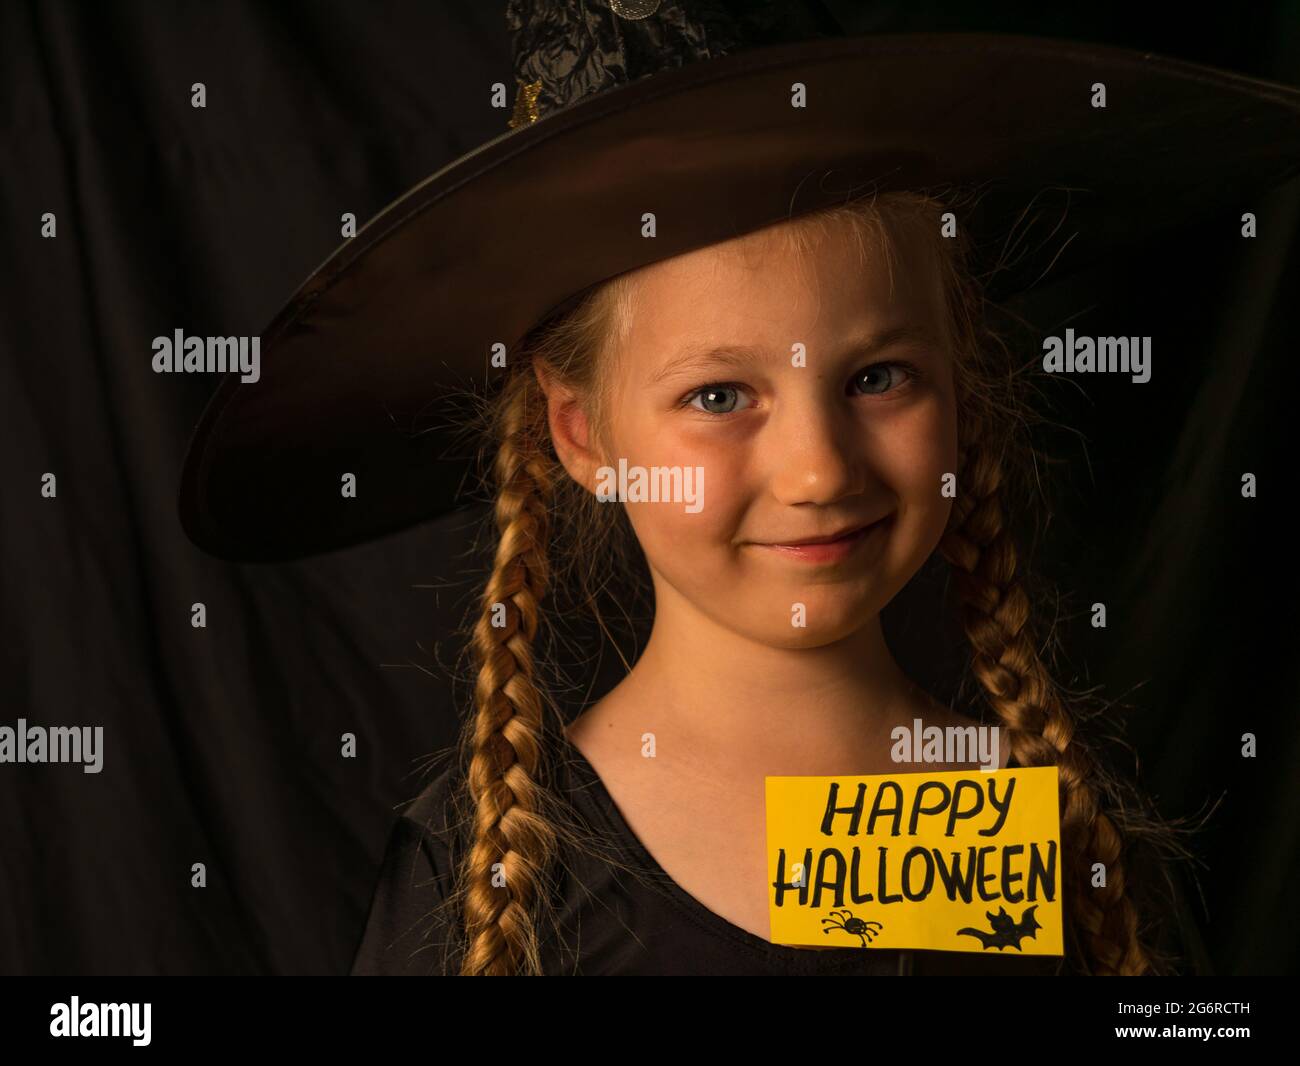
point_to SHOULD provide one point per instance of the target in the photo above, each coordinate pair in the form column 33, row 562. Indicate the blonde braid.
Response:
column 503, row 775
column 996, row 618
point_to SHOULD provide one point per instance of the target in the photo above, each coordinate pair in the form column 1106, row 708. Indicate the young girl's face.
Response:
column 857, row 430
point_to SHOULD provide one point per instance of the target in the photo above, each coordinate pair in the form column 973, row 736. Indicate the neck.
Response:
column 723, row 705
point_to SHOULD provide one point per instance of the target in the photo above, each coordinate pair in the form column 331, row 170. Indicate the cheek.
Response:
column 920, row 447
column 666, row 530
column 913, row 458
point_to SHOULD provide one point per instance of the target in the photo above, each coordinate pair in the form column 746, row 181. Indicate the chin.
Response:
column 830, row 615
column 794, row 639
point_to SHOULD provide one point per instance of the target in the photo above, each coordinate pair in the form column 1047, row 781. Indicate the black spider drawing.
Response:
column 851, row 925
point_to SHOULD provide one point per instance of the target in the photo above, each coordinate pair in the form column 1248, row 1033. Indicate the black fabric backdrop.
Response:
column 222, row 744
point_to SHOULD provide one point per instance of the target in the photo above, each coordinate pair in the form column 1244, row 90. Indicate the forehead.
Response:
column 767, row 289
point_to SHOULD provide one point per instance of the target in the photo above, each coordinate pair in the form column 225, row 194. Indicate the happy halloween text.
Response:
column 911, row 875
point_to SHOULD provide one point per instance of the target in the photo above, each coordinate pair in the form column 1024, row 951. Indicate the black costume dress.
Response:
column 616, row 923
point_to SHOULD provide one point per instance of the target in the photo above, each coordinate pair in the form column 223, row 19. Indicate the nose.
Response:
column 817, row 453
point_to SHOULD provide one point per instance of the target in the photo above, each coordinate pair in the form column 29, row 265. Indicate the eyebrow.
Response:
column 698, row 356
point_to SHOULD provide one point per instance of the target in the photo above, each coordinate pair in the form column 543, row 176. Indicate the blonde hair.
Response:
column 511, row 814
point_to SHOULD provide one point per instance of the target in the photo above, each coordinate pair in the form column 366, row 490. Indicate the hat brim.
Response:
column 359, row 368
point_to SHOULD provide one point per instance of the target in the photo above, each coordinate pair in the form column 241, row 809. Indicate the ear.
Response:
column 570, row 429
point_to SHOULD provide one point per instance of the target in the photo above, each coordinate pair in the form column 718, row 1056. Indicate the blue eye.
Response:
column 875, row 380
column 713, row 394
column 878, row 375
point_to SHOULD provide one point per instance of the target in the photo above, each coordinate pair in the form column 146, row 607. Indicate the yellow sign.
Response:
column 957, row 861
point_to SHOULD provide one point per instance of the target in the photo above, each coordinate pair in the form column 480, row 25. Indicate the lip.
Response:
column 825, row 550
column 847, row 531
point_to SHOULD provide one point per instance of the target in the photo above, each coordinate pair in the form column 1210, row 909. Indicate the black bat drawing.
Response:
column 1007, row 932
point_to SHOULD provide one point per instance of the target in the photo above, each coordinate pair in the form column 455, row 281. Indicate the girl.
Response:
column 834, row 377
column 827, row 376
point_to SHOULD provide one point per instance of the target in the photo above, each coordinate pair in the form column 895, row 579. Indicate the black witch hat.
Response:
column 720, row 118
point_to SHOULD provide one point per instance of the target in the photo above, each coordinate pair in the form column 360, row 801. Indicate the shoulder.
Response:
column 436, row 812
column 1166, row 893
column 428, row 829
column 409, row 925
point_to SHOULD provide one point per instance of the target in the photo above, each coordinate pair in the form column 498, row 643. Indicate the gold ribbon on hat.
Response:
column 525, row 111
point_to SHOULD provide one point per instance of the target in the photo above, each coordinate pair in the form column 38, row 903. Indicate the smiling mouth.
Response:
column 827, row 550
